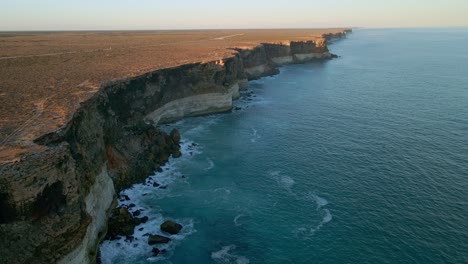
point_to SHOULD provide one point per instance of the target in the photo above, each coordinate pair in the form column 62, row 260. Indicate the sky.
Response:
column 216, row 14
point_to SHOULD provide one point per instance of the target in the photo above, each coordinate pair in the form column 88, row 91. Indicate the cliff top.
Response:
column 44, row 76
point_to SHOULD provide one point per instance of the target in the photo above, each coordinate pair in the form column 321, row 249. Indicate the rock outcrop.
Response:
column 121, row 223
column 157, row 239
column 171, row 227
column 55, row 202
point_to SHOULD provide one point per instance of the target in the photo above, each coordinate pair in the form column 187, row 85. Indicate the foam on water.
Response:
column 112, row 251
column 254, row 132
column 156, row 186
column 170, row 173
column 227, row 191
column 319, row 201
column 210, row 164
column 223, row 256
column 287, row 183
column 249, row 99
column 237, row 218
column 255, row 135
column 404, row 143
column 326, row 216
column 283, row 181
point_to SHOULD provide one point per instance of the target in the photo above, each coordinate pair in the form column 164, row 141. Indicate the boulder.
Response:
column 155, row 251
column 157, row 239
column 121, row 223
column 176, row 153
column 137, row 213
column 171, row 227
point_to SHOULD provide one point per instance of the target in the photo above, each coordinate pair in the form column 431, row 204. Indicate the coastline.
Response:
column 104, row 145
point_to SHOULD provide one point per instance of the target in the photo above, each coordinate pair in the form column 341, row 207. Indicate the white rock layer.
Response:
column 98, row 203
column 196, row 105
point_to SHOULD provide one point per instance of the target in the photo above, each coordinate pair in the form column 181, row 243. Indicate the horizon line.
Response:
column 213, row 29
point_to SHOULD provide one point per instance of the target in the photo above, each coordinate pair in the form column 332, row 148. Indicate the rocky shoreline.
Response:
column 55, row 203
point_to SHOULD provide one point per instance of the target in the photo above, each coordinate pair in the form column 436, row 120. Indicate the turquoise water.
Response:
column 362, row 159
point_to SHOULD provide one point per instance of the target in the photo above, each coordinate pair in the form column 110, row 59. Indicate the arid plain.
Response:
column 45, row 75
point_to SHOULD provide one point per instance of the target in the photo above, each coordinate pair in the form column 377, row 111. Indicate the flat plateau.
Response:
column 44, row 76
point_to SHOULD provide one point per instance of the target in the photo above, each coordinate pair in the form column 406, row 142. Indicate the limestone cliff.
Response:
column 264, row 59
column 54, row 203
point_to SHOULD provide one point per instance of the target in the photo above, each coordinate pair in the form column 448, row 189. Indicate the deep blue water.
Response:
column 362, row 159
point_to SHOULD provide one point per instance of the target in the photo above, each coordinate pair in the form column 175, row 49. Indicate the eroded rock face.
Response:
column 330, row 37
column 44, row 213
column 48, row 199
column 175, row 136
column 264, row 59
column 40, row 207
column 139, row 152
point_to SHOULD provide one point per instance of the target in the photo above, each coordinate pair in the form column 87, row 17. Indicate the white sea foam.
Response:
column 188, row 146
column 287, row 182
column 210, row 164
column 226, row 191
column 156, row 186
column 248, row 100
column 274, row 173
column 237, row 218
column 122, row 248
column 327, row 217
column 319, row 201
column 254, row 131
column 223, row 256
column 255, row 135
column 325, row 214
column 223, row 253
column 283, row 181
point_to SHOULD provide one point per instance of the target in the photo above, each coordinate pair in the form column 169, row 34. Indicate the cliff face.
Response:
column 55, row 203
column 264, row 59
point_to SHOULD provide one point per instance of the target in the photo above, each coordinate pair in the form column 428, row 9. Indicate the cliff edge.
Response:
column 56, row 197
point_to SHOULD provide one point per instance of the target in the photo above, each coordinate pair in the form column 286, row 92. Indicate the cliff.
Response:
column 55, row 201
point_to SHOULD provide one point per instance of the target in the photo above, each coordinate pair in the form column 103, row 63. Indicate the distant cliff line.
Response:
column 55, row 203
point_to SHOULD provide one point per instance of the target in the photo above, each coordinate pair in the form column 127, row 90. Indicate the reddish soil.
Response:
column 44, row 76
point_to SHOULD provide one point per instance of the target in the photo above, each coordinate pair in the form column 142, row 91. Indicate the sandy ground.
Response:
column 44, row 76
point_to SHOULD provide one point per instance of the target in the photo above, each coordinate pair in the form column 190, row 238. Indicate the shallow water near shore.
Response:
column 362, row 159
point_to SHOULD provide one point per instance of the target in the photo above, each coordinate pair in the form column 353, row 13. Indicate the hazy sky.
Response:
column 182, row 14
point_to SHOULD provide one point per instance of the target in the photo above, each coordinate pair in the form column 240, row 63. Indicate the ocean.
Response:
column 361, row 159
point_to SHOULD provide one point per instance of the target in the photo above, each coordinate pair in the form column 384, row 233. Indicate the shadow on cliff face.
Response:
column 7, row 212
column 50, row 201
